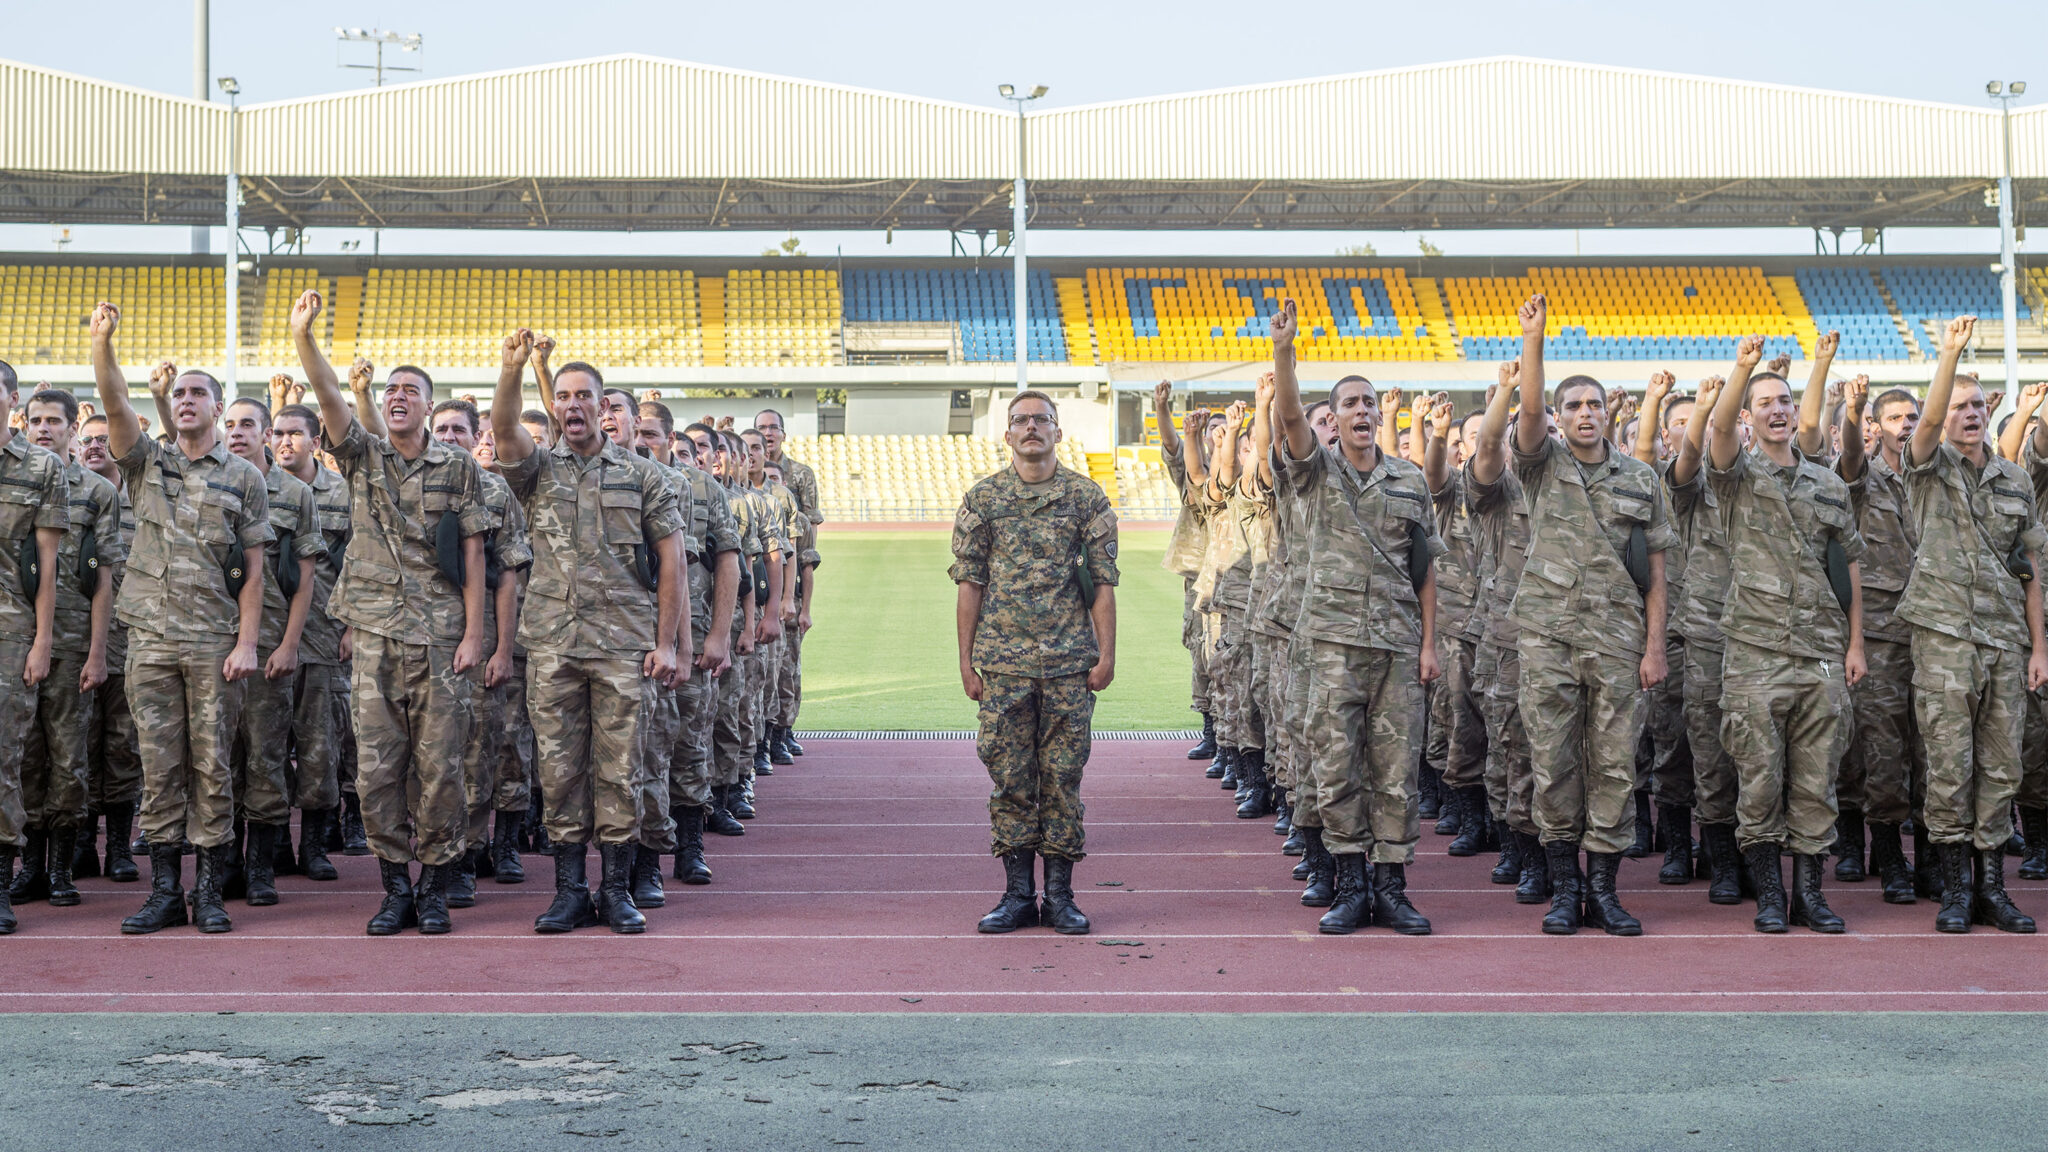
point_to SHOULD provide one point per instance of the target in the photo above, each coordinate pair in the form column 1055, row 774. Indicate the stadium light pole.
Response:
column 202, row 90
column 229, row 85
column 2008, row 272
column 1020, row 319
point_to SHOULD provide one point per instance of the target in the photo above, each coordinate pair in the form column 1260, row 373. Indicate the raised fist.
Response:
column 1390, row 398
column 518, row 347
column 1535, row 314
column 280, row 392
column 1856, row 393
column 543, row 346
column 1709, row 390
column 1750, row 352
column 1283, row 325
column 305, row 311
column 1993, row 400
column 161, row 378
column 1833, row 394
column 1233, row 416
column 1440, row 412
column 1162, row 395
column 1956, row 336
column 360, row 373
column 105, row 321
column 1660, row 386
column 2031, row 395
column 1264, row 388
column 1622, row 404
column 1824, row 347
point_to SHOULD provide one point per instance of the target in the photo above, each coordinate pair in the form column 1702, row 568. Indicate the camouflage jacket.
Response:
column 1359, row 532
column 1884, row 516
column 33, row 494
column 713, row 531
column 321, row 641
column 1023, row 543
column 1969, row 522
column 508, row 543
column 292, row 510
column 391, row 582
column 117, row 632
column 1290, row 533
column 1457, row 574
column 1500, row 521
column 192, row 517
column 95, row 506
column 1271, row 576
column 1700, row 517
column 1575, row 588
column 797, row 527
column 1779, row 523
column 1190, row 540
column 591, row 521
column 803, row 484
column 747, row 527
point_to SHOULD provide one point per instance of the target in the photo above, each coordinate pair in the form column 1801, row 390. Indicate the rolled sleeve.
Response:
column 1658, row 535
column 106, row 528
column 310, row 543
column 1102, row 545
column 255, row 528
column 971, row 546
column 354, row 444
column 477, row 516
column 54, row 511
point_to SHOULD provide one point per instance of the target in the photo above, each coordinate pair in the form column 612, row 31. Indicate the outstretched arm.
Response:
column 1490, row 458
column 1686, row 463
column 1162, row 412
column 1934, row 416
column 334, row 411
column 1531, row 424
column 360, row 375
column 513, row 441
column 1813, row 439
column 2015, row 433
column 1262, row 432
column 124, row 428
column 1225, row 476
column 1722, row 445
column 1654, row 394
column 1287, row 409
column 1853, row 461
column 1436, row 455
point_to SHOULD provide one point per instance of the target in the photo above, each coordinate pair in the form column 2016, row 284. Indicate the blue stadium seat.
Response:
column 977, row 302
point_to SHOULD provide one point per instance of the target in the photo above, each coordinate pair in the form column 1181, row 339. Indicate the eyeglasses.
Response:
column 90, row 441
column 1038, row 419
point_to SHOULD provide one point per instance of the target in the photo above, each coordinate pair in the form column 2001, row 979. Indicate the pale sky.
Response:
column 1086, row 53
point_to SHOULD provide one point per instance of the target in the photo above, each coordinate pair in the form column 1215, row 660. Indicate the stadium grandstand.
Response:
column 890, row 369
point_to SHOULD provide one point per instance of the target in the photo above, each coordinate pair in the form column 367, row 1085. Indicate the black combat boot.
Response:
column 354, row 841
column 645, row 881
column 459, row 889
column 1351, row 906
column 1674, row 827
column 8, row 923
column 85, row 855
column 505, row 865
column 333, row 841
column 1215, row 769
column 572, row 907
column 1019, row 906
column 400, row 909
column 778, row 746
column 1767, row 872
column 1056, row 911
column 1992, row 905
column 480, row 854
column 209, row 906
column 1849, row 866
column 2035, row 866
column 1952, row 867
column 1926, row 864
column 795, row 749
column 717, row 819
column 739, row 800
column 1888, row 860
column 284, row 861
column 259, row 877
column 1472, row 816
column 32, row 883
column 615, row 889
column 1724, row 872
column 1297, row 838
column 63, row 847
column 690, row 865
column 1391, row 907
column 1283, row 812
column 1429, row 802
column 1206, row 749
column 314, row 824
column 1300, row 871
column 1603, row 904
column 1646, row 828
column 235, row 883
column 1533, row 886
column 1322, row 871
column 1809, row 907
column 1230, row 759
column 430, row 899
column 1567, row 887
column 1450, row 812
column 1507, row 869
column 165, row 907
column 763, row 766
column 1258, row 801
column 120, row 866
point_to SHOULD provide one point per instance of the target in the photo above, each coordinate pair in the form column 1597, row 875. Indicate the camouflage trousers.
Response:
column 1034, row 741
column 185, row 718
column 1240, row 723
column 1784, row 723
column 1463, row 721
column 1884, row 757
column 412, row 723
column 1193, row 637
column 1971, row 702
column 1297, row 673
column 689, row 774
column 54, row 772
column 261, row 753
column 1583, row 711
column 1269, row 688
column 1510, row 782
column 17, row 711
column 493, row 773
column 2034, row 753
column 111, row 752
column 345, row 758
column 1713, row 774
column 512, row 757
column 1664, row 755
column 732, row 749
column 659, row 733
column 789, row 678
column 319, row 695
column 761, row 699
column 1366, row 716
column 587, row 721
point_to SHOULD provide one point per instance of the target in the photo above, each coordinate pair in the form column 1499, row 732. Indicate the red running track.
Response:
column 858, row 887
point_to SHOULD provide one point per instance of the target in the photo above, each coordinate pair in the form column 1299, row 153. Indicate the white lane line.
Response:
column 1435, row 994
column 1305, row 936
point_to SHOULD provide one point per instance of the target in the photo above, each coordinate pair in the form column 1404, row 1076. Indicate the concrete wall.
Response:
column 901, row 411
column 1089, row 423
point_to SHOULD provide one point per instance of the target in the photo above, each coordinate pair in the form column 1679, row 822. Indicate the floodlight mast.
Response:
column 2008, row 270
column 378, row 37
column 1020, row 313
column 232, row 328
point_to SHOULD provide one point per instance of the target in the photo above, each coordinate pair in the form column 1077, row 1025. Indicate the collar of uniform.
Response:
column 218, row 453
column 325, row 479
column 74, row 472
column 436, row 453
column 608, row 451
column 273, row 479
column 17, row 445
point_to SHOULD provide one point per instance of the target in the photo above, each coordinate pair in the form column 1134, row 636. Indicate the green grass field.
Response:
column 882, row 655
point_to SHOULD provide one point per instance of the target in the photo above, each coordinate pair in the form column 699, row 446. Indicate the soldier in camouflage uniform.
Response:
column 1034, row 555
column 263, row 777
column 113, row 757
column 1665, row 771
column 597, row 629
column 1368, row 624
column 798, row 562
column 1793, row 649
column 54, row 772
column 1457, row 576
column 802, row 483
column 418, row 633
column 203, row 520
column 2033, row 793
column 1185, row 548
column 1591, row 642
column 1974, row 619
column 1241, row 539
column 773, row 514
column 731, row 735
column 35, row 515
column 1266, row 628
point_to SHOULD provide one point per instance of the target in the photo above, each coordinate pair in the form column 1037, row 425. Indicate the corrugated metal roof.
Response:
column 55, row 122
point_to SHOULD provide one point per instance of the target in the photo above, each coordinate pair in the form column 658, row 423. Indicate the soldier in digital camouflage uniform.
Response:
column 1591, row 641
column 419, row 522
column 1035, row 648
column 203, row 519
column 55, row 774
column 1368, row 625
column 802, row 483
column 1793, row 649
column 112, row 754
column 35, row 515
column 1975, row 620
column 602, row 522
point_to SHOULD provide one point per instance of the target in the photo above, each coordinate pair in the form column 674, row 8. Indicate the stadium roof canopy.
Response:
column 637, row 143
